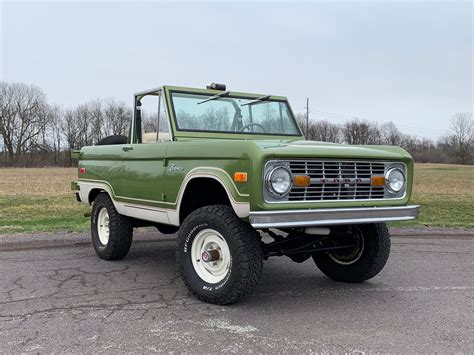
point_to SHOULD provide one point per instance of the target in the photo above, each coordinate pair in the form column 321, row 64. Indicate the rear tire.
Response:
column 233, row 262
column 361, row 263
column 111, row 232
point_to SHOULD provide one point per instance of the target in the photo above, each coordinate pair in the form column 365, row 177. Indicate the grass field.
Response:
column 40, row 200
column 446, row 195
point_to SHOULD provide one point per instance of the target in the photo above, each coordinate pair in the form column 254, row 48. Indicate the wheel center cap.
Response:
column 210, row 255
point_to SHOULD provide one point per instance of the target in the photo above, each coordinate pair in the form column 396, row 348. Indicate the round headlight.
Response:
column 395, row 180
column 279, row 181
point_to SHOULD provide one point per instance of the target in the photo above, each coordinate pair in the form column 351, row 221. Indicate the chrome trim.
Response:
column 387, row 180
column 388, row 165
column 268, row 181
column 331, row 216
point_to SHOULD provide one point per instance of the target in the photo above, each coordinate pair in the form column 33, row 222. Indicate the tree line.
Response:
column 35, row 132
column 456, row 146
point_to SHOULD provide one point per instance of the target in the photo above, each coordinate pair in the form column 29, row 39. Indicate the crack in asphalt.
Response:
column 68, row 300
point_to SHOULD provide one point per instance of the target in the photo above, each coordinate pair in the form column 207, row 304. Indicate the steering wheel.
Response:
column 252, row 124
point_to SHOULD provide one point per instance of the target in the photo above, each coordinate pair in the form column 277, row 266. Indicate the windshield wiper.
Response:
column 215, row 97
column 257, row 100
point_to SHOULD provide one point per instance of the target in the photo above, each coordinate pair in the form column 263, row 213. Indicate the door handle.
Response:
column 126, row 149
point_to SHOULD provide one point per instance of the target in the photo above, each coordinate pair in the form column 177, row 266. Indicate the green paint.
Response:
column 153, row 174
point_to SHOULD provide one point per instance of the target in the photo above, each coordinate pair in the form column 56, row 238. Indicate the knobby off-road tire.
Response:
column 115, row 244
column 218, row 228
column 364, row 265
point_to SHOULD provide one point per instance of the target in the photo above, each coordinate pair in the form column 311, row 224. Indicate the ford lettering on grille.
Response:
column 345, row 181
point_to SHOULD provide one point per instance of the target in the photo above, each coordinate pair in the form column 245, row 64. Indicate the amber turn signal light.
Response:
column 378, row 180
column 301, row 180
column 240, row 177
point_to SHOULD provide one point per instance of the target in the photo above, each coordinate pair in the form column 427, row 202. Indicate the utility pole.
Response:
column 307, row 117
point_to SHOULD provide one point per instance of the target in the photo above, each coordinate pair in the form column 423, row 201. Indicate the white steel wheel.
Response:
column 111, row 232
column 210, row 256
column 351, row 256
column 103, row 226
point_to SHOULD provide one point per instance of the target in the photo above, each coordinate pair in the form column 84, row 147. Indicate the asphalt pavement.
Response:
column 57, row 296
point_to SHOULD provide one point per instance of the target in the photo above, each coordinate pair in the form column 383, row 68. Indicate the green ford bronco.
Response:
column 232, row 174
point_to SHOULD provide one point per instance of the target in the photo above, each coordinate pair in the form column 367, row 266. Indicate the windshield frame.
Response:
column 194, row 133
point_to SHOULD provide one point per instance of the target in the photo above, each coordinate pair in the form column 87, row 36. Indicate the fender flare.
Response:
column 241, row 208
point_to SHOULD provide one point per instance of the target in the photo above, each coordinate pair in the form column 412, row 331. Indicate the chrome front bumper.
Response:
column 331, row 216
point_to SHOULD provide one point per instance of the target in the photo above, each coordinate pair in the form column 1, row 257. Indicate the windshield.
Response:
column 228, row 114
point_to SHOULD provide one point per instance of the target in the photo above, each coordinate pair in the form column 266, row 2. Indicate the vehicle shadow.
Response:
column 282, row 282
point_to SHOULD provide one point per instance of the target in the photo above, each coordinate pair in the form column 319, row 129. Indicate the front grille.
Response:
column 340, row 180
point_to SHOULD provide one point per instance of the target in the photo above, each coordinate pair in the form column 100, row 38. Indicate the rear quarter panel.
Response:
column 102, row 163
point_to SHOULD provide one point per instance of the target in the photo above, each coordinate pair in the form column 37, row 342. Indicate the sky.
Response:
column 406, row 62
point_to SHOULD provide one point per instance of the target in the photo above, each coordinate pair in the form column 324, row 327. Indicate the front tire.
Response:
column 111, row 232
column 362, row 262
column 219, row 256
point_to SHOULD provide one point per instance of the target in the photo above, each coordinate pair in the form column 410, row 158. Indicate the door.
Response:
column 144, row 170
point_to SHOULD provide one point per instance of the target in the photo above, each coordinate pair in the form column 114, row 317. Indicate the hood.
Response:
column 315, row 149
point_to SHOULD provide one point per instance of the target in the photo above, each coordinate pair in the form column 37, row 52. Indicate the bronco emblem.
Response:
column 175, row 168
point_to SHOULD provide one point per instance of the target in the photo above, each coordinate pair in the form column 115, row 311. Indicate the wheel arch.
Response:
column 199, row 185
column 93, row 193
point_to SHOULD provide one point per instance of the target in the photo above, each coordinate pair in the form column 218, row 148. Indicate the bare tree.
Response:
column 361, row 132
column 88, row 123
column 70, row 129
column 78, row 127
column 149, row 120
column 117, row 117
column 96, row 120
column 462, row 139
column 391, row 134
column 24, row 116
column 54, row 134
column 324, row 131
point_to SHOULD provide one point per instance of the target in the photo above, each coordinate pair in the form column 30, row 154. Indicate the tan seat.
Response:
column 150, row 137
column 164, row 137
